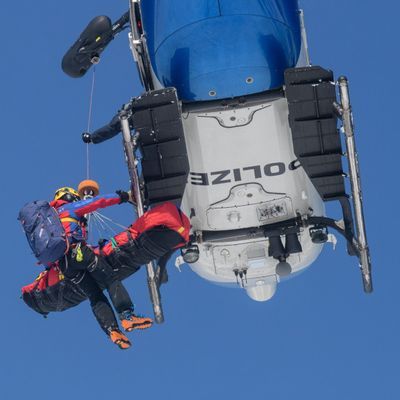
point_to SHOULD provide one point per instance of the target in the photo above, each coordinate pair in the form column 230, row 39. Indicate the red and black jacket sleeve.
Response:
column 82, row 207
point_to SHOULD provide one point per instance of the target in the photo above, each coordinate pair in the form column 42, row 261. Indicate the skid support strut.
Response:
column 132, row 162
column 345, row 112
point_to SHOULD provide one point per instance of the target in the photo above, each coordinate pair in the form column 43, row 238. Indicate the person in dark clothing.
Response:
column 89, row 270
column 155, row 235
column 104, row 133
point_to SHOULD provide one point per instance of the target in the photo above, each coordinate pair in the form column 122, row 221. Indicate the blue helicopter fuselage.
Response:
column 216, row 49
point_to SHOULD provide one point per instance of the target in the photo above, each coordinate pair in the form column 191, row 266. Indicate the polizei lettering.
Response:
column 237, row 174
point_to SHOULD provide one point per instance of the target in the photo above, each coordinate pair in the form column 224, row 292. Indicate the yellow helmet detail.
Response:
column 67, row 193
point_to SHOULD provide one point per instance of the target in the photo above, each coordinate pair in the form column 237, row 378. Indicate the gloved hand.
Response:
column 86, row 137
column 131, row 197
column 124, row 196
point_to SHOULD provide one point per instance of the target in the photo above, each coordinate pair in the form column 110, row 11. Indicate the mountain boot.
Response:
column 130, row 321
column 119, row 339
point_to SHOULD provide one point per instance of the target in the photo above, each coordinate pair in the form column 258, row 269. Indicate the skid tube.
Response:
column 344, row 112
column 132, row 163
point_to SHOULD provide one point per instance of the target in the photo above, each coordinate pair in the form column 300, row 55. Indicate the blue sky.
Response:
column 319, row 338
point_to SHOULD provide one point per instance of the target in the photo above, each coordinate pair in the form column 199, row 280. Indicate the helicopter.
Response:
column 240, row 129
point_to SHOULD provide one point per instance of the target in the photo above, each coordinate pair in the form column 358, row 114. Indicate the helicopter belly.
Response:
column 242, row 164
column 246, row 264
column 244, row 174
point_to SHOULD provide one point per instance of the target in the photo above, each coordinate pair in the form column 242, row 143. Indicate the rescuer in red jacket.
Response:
column 87, row 270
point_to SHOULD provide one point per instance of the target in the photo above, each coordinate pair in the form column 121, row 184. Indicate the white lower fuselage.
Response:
column 243, row 174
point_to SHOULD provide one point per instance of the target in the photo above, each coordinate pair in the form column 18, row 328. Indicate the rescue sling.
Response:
column 153, row 236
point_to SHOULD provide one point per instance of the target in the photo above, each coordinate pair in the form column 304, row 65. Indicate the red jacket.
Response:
column 166, row 214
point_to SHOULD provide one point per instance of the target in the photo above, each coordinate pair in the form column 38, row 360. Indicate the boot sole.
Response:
column 121, row 343
column 138, row 327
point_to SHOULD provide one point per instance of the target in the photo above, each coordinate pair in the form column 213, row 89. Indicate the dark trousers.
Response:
column 92, row 273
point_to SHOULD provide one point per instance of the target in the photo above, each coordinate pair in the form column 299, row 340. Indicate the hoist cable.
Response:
column 90, row 120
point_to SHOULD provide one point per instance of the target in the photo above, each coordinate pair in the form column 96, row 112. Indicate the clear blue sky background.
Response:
column 319, row 338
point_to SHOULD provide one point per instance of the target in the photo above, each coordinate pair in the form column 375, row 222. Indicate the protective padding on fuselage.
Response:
column 210, row 49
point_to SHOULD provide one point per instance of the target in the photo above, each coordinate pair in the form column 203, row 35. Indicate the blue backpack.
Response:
column 44, row 231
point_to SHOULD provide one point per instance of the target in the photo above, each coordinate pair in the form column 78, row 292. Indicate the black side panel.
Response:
column 310, row 92
column 165, row 166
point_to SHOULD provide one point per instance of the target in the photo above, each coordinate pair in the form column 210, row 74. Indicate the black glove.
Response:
column 124, row 196
column 102, row 243
column 86, row 137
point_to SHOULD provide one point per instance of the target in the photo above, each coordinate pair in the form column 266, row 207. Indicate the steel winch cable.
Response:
column 90, row 120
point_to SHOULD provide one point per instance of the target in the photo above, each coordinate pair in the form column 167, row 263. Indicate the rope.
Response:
column 90, row 224
column 90, row 120
column 106, row 227
column 100, row 222
column 103, row 227
column 110, row 220
column 95, row 224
